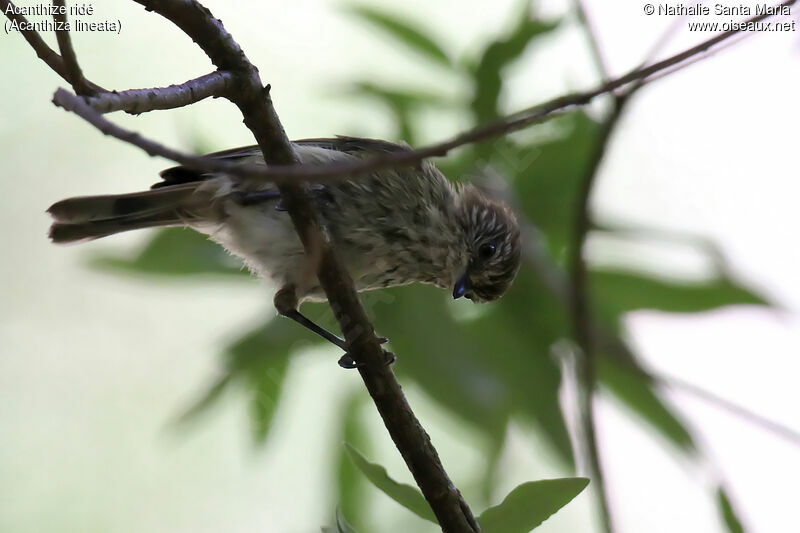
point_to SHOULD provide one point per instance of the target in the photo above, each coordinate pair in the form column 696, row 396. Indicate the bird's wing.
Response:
column 181, row 174
column 353, row 146
column 356, row 146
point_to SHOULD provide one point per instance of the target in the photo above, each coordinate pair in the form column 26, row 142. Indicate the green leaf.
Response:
column 176, row 252
column 257, row 363
column 395, row 97
column 351, row 484
column 615, row 292
column 618, row 291
column 487, row 369
column 520, row 337
column 265, row 387
column 404, row 31
column 547, row 176
column 205, row 402
column 530, row 504
column 702, row 244
column 406, row 495
column 636, row 391
column 445, row 357
column 729, row 514
column 402, row 103
column 488, row 71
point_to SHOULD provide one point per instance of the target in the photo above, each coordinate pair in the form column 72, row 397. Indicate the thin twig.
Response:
column 559, row 286
column 594, row 41
column 70, row 102
column 691, row 61
column 219, row 84
column 582, row 323
column 43, row 51
column 666, row 36
column 584, row 329
column 624, row 361
column 496, row 128
column 581, row 315
column 136, row 101
column 579, row 302
column 509, row 123
column 790, row 435
column 73, row 69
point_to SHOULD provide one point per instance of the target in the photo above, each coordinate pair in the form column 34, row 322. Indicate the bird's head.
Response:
column 493, row 246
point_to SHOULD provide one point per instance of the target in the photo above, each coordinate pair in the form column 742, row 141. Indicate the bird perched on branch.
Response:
column 392, row 227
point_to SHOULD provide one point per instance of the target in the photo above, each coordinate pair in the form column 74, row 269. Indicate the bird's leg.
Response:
column 286, row 305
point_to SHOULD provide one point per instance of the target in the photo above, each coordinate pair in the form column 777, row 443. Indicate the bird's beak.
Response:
column 461, row 286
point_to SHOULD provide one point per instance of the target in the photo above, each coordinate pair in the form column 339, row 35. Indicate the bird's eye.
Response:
column 486, row 250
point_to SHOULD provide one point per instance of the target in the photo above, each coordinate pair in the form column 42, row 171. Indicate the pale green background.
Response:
column 93, row 367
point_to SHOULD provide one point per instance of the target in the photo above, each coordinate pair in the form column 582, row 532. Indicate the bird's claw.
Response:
column 347, row 361
column 389, row 358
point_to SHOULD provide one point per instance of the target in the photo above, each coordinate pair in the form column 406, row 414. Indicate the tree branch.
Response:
column 776, row 428
column 584, row 330
column 624, row 361
column 578, row 294
column 510, row 123
column 594, row 42
column 43, row 51
column 69, row 102
column 582, row 323
column 559, row 286
column 220, row 83
column 142, row 100
column 260, row 117
column 73, row 69
column 136, row 101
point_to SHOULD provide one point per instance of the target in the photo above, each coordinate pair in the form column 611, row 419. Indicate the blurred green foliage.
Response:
column 179, row 252
column 499, row 365
column 728, row 513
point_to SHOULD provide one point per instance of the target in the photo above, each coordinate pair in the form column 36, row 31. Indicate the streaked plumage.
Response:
column 392, row 227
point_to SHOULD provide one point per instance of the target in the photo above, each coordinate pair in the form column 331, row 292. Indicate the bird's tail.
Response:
column 85, row 218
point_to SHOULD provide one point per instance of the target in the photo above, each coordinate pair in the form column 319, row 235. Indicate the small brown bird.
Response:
column 391, row 227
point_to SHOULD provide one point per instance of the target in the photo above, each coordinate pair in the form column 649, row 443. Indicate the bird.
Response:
column 390, row 227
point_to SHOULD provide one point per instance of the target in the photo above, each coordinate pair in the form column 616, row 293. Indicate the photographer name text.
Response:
column 741, row 10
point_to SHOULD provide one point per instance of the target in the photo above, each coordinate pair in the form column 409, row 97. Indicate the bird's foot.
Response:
column 347, row 361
